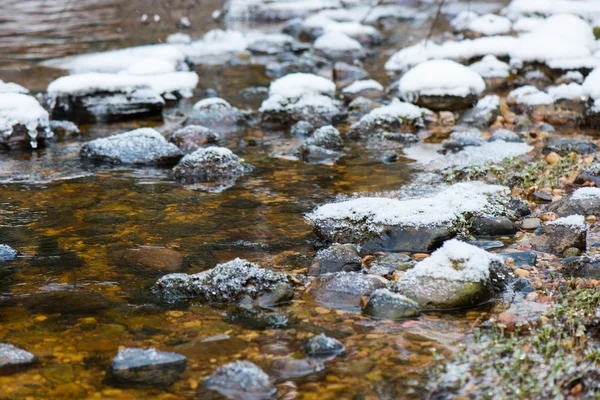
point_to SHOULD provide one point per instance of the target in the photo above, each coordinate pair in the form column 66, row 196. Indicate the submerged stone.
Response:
column 289, row 367
column 154, row 258
column 140, row 146
column 65, row 302
column 344, row 290
column 384, row 304
column 209, row 165
column 13, row 359
column 323, row 346
column 190, row 138
column 240, row 380
column 147, row 367
column 225, row 283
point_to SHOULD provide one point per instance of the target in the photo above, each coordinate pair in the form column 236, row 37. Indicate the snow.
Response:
column 455, row 261
column 530, row 96
column 461, row 50
column 575, row 76
column 526, row 24
column 336, row 41
column 440, row 78
column 443, row 207
column 490, row 67
column 591, row 84
column 351, row 28
column 19, row 108
column 572, row 221
column 151, row 66
column 488, row 24
column 179, row 38
column 584, row 8
column 9, row 87
column 211, row 102
column 359, row 86
column 586, row 193
column 299, row 84
column 566, row 91
column 395, row 111
column 89, row 83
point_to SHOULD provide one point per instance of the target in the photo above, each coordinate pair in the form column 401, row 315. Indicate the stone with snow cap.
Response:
column 488, row 24
column 320, row 24
column 225, row 283
column 397, row 116
column 584, row 201
column 211, row 164
column 216, row 114
column 589, row 174
column 421, row 224
column 23, row 121
column 146, row 367
column 10, row 87
column 441, row 85
column 301, row 96
column 190, row 138
column 14, row 359
column 456, row 275
column 338, row 46
column 368, row 88
column 139, row 146
column 239, row 380
column 561, row 234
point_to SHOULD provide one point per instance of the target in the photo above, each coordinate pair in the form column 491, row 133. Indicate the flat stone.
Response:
column 147, row 367
column 240, row 380
column 344, row 290
column 566, row 146
column 384, row 304
column 337, row 258
column 155, row 258
column 323, row 346
column 13, row 359
column 76, row 301
column 531, row 223
column 493, row 226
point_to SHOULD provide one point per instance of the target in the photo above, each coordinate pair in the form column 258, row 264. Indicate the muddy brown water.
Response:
column 79, row 293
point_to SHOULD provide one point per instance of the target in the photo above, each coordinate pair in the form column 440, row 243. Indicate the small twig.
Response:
column 379, row 2
column 437, row 16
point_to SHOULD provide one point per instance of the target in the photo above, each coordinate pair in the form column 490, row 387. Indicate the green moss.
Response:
column 551, row 360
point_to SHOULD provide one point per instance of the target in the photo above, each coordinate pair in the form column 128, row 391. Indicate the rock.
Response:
column 486, row 244
column 64, row 129
column 7, row 253
column 590, row 174
column 323, row 147
column 389, row 263
column 154, row 258
column 306, row 63
column 240, row 380
column 140, row 146
column 302, row 128
column 518, row 207
column 225, row 283
column 338, row 257
column 455, row 276
column 384, row 304
column 328, row 137
column 582, row 267
column 338, row 46
column 398, row 116
column 282, row 293
column 272, row 44
column 566, row 146
column 301, row 97
column 484, row 113
column 369, row 89
column 323, row 346
column 13, row 359
column 192, row 137
column 66, row 301
column 521, row 257
column 462, row 138
column 361, row 106
column 441, row 85
column 505, row 135
column 319, row 155
column 584, row 201
column 344, row 290
column 23, row 121
column 147, row 367
column 289, row 367
column 571, row 252
column 492, row 226
column 212, row 164
column 216, row 114
column 257, row 320
column 559, row 235
column 542, row 196
column 530, row 223
column 344, row 74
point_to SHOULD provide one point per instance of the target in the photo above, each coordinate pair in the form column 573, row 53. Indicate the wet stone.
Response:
column 302, row 128
column 389, row 263
column 257, row 320
column 567, row 206
column 154, row 258
column 64, row 129
column 344, row 73
column 240, row 380
column 554, row 238
column 147, row 367
column 190, row 138
column 566, row 146
column 486, row 244
column 7, row 253
column 13, row 359
column 531, row 223
column 209, row 165
column 323, row 147
column 140, row 146
column 521, row 257
column 323, row 346
column 591, row 174
column 542, row 196
column 337, row 258
column 344, row 290
column 289, row 367
column 582, row 267
column 216, row 114
column 384, row 304
column 492, row 226
column 65, row 302
column 505, row 135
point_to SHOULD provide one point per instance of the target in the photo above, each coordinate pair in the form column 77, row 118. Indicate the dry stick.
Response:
column 437, row 16
column 371, row 10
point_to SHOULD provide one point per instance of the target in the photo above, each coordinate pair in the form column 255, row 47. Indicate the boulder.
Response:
column 323, row 346
column 212, row 164
column 384, row 304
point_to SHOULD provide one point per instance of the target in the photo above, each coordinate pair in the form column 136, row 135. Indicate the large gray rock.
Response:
column 13, row 359
column 566, row 146
column 323, row 346
column 384, row 304
column 212, row 164
column 582, row 267
column 225, row 283
column 240, row 380
column 575, row 205
column 337, row 258
column 590, row 174
column 216, row 114
column 344, row 290
column 455, row 276
column 140, row 146
column 147, row 367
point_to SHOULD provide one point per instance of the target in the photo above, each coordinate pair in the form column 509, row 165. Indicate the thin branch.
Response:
column 437, row 16
column 379, row 2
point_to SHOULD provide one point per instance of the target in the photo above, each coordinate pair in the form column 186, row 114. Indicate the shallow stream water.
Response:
column 80, row 292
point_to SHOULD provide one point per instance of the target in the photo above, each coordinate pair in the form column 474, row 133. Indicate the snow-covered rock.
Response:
column 397, row 116
column 320, row 24
column 338, row 46
column 441, row 85
column 529, row 96
column 10, row 87
column 368, row 88
column 490, row 67
column 216, row 114
column 211, row 164
column 488, row 24
column 584, row 8
column 23, row 121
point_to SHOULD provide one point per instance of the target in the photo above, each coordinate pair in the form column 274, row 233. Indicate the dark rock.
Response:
column 154, row 258
column 323, row 346
column 567, row 206
column 344, row 290
column 461, row 139
column 542, row 196
column 209, row 165
column 522, row 286
column 389, row 263
column 216, row 114
column 64, row 129
column 305, row 63
column 344, row 73
column 492, row 226
column 446, row 103
column 225, row 283
column 302, row 128
column 566, row 146
column 337, row 258
column 140, row 146
column 147, row 367
column 240, row 380
column 384, row 304
column 257, row 320
column 590, row 174
column 403, row 238
column 486, row 244
column 582, row 267
column 518, row 207
column 13, row 359
column 108, row 106
column 289, row 367
column 192, row 137
column 65, row 302
column 505, row 135
column 7, row 253
column 521, row 257
column 556, row 238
